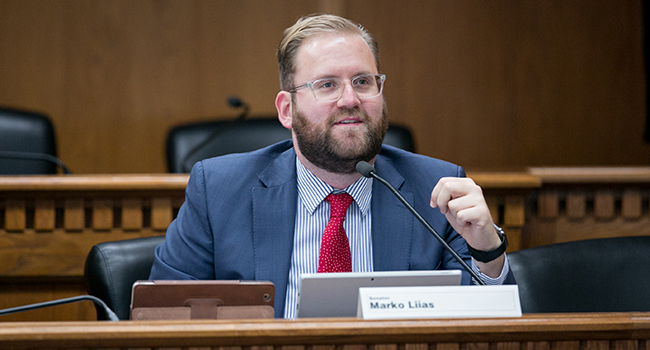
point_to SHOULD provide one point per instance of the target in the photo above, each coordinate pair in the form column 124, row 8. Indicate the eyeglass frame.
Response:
column 310, row 85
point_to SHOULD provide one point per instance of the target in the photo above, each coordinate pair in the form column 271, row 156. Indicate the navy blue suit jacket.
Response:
column 238, row 219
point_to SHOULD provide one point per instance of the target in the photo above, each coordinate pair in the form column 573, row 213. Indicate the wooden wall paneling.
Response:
column 420, row 346
column 604, row 204
column 548, row 204
column 644, row 344
column 132, row 214
column 631, row 205
column 564, row 230
column 567, row 345
column 372, row 347
column 508, row 346
column 44, row 215
column 15, row 215
column 538, row 345
column 514, row 220
column 161, row 213
column 515, row 211
column 447, row 346
column 73, row 214
column 102, row 218
column 476, row 346
column 465, row 76
column 625, row 345
column 600, row 203
column 116, row 76
column 576, row 205
column 596, row 345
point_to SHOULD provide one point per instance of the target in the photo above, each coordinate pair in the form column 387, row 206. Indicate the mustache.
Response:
column 350, row 112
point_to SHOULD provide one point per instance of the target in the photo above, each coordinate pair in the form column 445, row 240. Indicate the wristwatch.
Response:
column 486, row 257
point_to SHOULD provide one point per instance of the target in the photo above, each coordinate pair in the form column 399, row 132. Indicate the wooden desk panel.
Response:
column 584, row 203
column 554, row 331
column 49, row 223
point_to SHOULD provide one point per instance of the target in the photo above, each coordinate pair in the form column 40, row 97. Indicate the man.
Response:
column 262, row 215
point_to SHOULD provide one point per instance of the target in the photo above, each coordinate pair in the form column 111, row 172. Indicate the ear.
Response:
column 283, row 105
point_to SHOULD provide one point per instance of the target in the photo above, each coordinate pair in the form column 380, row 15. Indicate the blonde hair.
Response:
column 309, row 27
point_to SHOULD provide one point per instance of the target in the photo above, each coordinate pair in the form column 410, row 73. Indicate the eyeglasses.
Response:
column 331, row 89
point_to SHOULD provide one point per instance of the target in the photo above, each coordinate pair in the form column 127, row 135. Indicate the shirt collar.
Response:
column 312, row 190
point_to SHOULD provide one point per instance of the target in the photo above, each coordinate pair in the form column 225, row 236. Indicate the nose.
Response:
column 348, row 98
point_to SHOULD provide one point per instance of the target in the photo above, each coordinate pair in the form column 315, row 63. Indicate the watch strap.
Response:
column 488, row 256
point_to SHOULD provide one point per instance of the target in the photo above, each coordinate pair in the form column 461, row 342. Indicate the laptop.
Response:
column 337, row 294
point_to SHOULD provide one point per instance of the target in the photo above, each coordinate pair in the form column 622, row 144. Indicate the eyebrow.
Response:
column 334, row 76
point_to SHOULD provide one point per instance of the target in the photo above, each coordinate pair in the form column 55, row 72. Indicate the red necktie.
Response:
column 335, row 248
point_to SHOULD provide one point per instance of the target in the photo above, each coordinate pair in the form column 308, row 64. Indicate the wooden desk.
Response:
column 49, row 223
column 534, row 332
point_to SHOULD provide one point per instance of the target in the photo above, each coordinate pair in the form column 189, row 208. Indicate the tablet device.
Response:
column 337, row 294
column 227, row 299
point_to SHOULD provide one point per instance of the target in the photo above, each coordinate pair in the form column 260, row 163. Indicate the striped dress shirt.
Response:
column 312, row 215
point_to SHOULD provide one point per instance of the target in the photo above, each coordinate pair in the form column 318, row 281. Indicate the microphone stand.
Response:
column 111, row 315
column 368, row 170
column 35, row 156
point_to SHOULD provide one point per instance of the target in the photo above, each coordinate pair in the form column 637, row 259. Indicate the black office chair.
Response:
column 190, row 143
column 27, row 143
column 112, row 268
column 597, row 275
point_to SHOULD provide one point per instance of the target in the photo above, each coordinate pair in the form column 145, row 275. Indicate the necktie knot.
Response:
column 339, row 204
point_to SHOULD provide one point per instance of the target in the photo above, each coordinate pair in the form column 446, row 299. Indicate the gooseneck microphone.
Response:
column 111, row 315
column 35, row 156
column 236, row 102
column 367, row 170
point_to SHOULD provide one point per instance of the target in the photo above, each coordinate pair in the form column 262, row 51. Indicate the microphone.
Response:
column 364, row 168
column 35, row 156
column 236, row 102
column 233, row 101
column 111, row 315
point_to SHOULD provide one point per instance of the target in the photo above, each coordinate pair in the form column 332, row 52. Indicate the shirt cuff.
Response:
column 489, row 280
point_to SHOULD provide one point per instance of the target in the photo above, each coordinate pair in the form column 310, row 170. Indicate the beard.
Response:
column 339, row 155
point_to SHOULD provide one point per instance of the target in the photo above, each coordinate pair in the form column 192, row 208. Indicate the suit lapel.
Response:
column 392, row 223
column 274, row 212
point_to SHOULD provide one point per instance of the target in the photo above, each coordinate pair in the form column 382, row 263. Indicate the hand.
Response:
column 462, row 202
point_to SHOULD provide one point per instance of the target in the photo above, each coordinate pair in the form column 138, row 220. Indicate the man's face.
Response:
column 336, row 135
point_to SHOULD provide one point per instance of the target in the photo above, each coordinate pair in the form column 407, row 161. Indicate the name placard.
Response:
column 439, row 302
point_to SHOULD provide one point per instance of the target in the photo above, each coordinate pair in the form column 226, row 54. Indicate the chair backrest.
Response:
column 112, row 268
column 190, row 143
column 597, row 275
column 30, row 132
